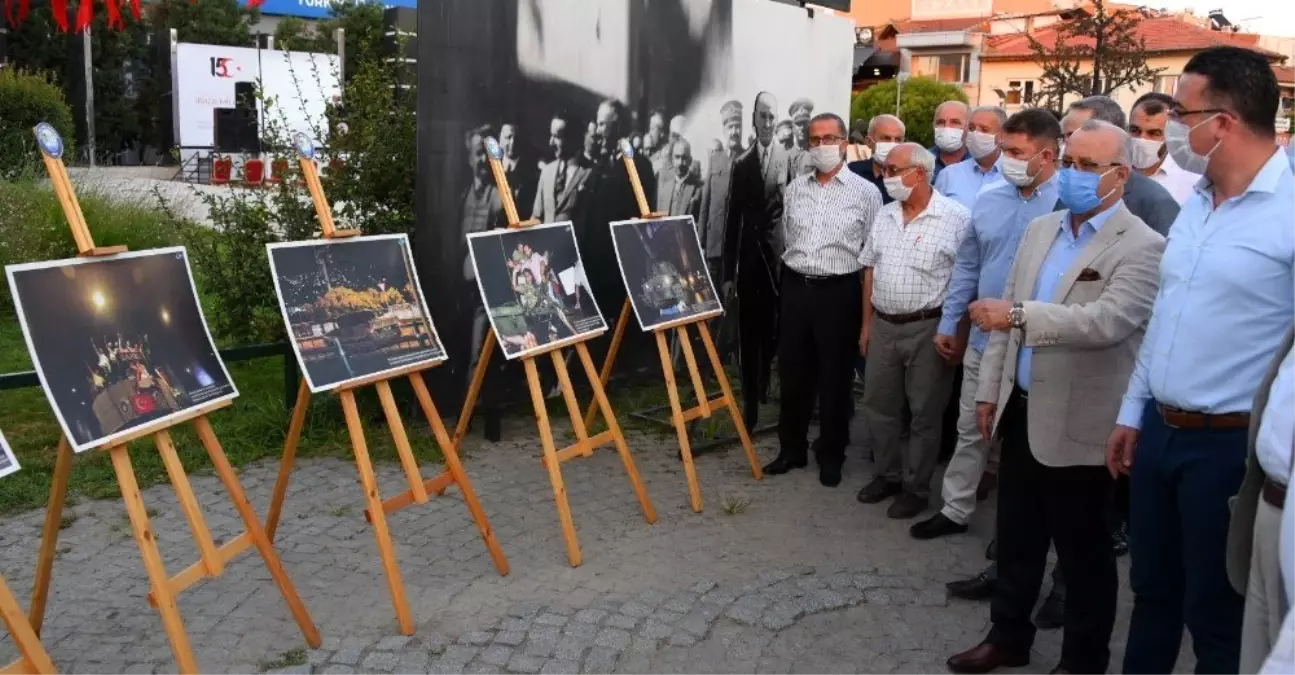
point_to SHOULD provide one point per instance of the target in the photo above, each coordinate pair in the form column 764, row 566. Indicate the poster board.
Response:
column 533, row 287
column 119, row 343
column 8, row 462
column 353, row 308
column 664, row 270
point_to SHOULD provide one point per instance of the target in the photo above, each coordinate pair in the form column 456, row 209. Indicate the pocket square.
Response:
column 1089, row 274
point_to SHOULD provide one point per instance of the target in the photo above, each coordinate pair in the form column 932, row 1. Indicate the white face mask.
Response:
column 882, row 151
column 981, row 144
column 1017, row 171
column 1145, row 152
column 896, row 189
column 826, row 157
column 948, row 139
column 1178, row 138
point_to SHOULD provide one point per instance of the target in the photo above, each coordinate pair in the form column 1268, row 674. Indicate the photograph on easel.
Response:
column 664, row 270
column 353, row 307
column 8, row 463
column 118, row 342
column 533, row 286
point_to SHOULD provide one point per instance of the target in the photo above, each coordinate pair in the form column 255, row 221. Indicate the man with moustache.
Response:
column 801, row 110
column 884, row 133
column 716, row 192
column 679, row 192
column 964, row 180
column 562, row 191
column 1151, row 157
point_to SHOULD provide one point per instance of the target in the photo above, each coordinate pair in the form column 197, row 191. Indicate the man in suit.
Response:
column 884, row 133
column 1254, row 562
column 715, row 195
column 480, row 209
column 522, row 173
column 562, row 193
column 678, row 191
column 1065, row 337
column 801, row 110
column 654, row 141
column 752, row 250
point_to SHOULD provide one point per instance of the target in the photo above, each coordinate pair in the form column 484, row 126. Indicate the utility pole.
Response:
column 899, row 89
column 88, row 54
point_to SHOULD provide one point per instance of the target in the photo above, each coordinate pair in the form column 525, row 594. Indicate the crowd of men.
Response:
column 1118, row 289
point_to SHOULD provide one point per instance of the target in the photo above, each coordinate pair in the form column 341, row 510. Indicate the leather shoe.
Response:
column 979, row 587
column 937, row 525
column 829, row 475
column 986, row 657
column 1120, row 539
column 878, row 490
column 781, row 465
column 907, row 505
column 1052, row 613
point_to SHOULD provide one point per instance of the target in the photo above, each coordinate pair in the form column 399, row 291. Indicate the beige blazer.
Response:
column 1241, row 531
column 1085, row 338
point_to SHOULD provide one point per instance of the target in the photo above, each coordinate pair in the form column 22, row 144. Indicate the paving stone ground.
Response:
column 782, row 575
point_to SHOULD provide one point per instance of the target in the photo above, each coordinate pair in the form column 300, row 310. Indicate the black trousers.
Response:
column 757, row 340
column 1067, row 505
column 817, row 350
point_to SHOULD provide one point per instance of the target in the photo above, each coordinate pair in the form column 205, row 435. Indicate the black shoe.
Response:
column 878, row 490
column 937, row 525
column 782, row 465
column 829, row 474
column 979, row 587
column 907, row 505
column 1120, row 540
column 1052, row 614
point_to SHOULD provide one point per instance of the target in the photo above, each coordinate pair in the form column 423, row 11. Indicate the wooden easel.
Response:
column 32, row 655
column 377, row 509
column 585, row 444
column 705, row 405
column 213, row 559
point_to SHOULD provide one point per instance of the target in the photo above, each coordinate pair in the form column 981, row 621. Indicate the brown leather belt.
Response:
column 1274, row 493
column 1186, row 419
column 920, row 315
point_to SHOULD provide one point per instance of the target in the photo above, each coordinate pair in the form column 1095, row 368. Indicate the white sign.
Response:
column 1283, row 125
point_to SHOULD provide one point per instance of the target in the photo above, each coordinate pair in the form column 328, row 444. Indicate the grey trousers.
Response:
column 1265, row 595
column 903, row 366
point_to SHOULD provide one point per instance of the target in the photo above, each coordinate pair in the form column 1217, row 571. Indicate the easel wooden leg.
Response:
column 573, row 406
column 733, row 408
column 397, row 426
column 552, row 463
column 49, row 536
column 157, row 576
column 188, row 503
column 455, row 467
column 698, row 387
column 370, row 482
column 474, row 388
column 618, row 335
column 680, row 427
column 34, row 657
column 600, row 396
column 260, row 538
column 295, row 427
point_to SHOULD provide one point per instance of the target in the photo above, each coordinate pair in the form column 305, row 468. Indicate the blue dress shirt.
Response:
column 998, row 221
column 1065, row 250
column 1226, row 300
column 961, row 182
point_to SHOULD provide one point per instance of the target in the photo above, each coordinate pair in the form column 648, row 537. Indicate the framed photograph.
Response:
column 533, row 287
column 119, row 343
column 8, row 463
column 353, row 308
column 664, row 271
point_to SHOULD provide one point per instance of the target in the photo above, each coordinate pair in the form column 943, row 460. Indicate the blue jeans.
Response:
column 1181, row 483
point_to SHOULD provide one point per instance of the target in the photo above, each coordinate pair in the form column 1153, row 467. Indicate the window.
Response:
column 943, row 67
column 1019, row 92
column 1165, row 84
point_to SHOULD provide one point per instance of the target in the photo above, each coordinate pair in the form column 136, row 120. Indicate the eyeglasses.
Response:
column 1086, row 166
column 825, row 140
column 1180, row 113
column 892, row 171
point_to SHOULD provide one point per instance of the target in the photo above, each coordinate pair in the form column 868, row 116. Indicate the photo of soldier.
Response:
column 664, row 270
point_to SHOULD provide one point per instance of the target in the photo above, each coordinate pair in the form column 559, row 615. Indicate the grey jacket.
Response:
column 1241, row 531
column 1085, row 340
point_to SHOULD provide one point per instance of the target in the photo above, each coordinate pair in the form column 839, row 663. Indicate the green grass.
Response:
column 295, row 657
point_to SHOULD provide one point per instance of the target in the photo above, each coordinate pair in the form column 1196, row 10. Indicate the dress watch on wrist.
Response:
column 1016, row 315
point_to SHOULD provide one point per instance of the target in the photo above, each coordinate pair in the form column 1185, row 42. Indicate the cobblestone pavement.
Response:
column 782, row 575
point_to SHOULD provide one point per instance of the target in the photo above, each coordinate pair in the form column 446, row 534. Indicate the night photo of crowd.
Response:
column 664, row 271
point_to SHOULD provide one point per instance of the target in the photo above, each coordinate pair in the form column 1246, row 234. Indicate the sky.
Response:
column 1269, row 17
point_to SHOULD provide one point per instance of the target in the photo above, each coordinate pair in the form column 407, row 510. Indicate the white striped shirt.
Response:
column 912, row 264
column 826, row 224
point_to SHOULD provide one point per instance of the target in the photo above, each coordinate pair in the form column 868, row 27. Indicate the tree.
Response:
column 362, row 22
column 294, row 35
column 1093, row 54
column 918, row 100
column 212, row 22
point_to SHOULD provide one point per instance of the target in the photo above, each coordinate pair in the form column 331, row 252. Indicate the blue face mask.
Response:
column 1078, row 190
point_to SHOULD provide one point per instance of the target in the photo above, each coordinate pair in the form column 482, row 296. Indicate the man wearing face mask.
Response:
column 827, row 217
column 1150, row 156
column 908, row 260
column 998, row 220
column 884, row 133
column 1226, row 290
column 950, row 135
column 1064, row 336
column 962, row 182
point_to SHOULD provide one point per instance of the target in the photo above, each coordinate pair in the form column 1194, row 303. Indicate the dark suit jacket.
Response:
column 754, row 218
column 679, row 198
column 715, row 197
column 1149, row 201
column 522, row 179
column 570, row 205
column 863, row 168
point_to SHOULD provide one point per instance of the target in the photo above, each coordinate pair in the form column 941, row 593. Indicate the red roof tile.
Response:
column 937, row 25
column 1162, row 34
column 1285, row 74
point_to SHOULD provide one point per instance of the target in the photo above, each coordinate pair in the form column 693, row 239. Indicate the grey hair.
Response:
column 872, row 123
column 840, row 123
column 1123, row 136
column 1103, row 108
column 965, row 110
column 920, row 157
column 998, row 112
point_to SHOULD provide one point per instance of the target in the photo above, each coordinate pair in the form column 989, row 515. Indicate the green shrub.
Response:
column 917, row 104
column 27, row 99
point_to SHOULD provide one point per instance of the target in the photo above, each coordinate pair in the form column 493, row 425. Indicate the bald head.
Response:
column 1098, row 149
column 951, row 114
column 884, row 128
column 1103, row 142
